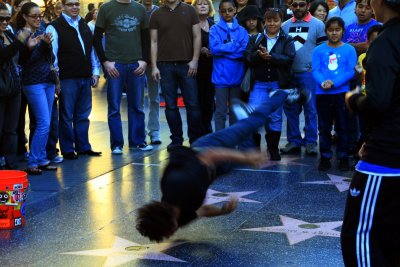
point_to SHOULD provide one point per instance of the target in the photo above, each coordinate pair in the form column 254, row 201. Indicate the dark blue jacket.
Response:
column 227, row 46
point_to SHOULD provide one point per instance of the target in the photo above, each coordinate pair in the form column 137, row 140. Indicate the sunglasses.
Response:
column 301, row 5
column 227, row 11
column 35, row 16
column 77, row 4
column 6, row 18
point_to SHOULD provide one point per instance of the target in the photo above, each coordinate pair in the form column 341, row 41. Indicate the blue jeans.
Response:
column 332, row 107
column 174, row 75
column 134, row 93
column 305, row 81
column 153, row 92
column 235, row 134
column 75, row 104
column 259, row 95
column 40, row 98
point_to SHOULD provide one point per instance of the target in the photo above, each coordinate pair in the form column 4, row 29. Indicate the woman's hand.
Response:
column 48, row 38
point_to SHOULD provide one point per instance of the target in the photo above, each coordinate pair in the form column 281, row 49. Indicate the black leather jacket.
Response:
column 282, row 54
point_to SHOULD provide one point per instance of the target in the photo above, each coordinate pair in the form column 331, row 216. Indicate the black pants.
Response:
column 370, row 233
column 9, row 113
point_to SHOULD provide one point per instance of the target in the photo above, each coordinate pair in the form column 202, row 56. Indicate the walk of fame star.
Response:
column 214, row 196
column 297, row 230
column 342, row 183
column 123, row 251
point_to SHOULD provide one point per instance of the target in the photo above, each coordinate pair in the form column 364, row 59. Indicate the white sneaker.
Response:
column 143, row 147
column 57, row 159
column 241, row 109
column 117, row 151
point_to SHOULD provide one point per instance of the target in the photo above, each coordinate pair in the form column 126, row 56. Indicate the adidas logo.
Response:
column 354, row 192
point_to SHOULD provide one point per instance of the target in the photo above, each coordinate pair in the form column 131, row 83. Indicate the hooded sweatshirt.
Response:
column 227, row 46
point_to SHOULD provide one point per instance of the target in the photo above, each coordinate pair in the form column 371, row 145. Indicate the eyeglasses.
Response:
column 77, row 4
column 35, row 16
column 6, row 18
column 301, row 5
column 227, row 11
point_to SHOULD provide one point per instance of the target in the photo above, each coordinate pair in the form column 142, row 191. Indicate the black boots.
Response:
column 272, row 138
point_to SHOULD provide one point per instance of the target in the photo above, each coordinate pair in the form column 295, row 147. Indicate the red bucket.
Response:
column 13, row 189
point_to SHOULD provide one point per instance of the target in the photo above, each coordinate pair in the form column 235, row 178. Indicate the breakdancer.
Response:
column 190, row 171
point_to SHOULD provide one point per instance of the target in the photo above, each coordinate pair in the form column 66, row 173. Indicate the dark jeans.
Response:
column 332, row 107
column 9, row 113
column 174, row 74
column 206, row 102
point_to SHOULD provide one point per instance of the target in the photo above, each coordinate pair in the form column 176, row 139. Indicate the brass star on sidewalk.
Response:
column 342, row 183
column 298, row 230
column 214, row 196
column 123, row 251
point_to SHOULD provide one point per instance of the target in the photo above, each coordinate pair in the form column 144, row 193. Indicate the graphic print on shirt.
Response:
column 126, row 23
column 333, row 64
column 300, row 35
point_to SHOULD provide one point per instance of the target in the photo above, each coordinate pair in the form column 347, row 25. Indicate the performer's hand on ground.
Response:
column 230, row 206
column 255, row 158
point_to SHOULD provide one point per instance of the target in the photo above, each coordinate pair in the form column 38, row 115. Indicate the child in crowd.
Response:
column 228, row 41
column 270, row 57
column 333, row 67
column 356, row 33
column 252, row 20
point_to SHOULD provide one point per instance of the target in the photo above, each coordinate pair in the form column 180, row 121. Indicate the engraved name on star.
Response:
column 297, row 230
column 123, row 251
column 342, row 183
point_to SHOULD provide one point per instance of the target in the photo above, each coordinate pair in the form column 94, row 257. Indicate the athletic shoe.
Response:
column 311, row 149
column 291, row 148
column 344, row 164
column 155, row 140
column 117, row 151
column 143, row 147
column 57, row 159
column 294, row 95
column 324, row 164
column 241, row 109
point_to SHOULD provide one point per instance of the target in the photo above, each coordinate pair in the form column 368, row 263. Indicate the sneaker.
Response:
column 143, row 147
column 57, row 159
column 117, row 151
column 155, row 140
column 311, row 149
column 173, row 145
column 291, row 148
column 297, row 96
column 241, row 109
column 324, row 164
column 344, row 164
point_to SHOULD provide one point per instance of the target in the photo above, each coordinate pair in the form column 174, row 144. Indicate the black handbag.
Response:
column 7, row 81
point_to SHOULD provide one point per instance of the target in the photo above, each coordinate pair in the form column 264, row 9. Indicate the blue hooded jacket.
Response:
column 227, row 46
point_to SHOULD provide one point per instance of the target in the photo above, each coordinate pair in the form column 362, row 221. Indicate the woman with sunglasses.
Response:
column 10, row 99
column 38, row 84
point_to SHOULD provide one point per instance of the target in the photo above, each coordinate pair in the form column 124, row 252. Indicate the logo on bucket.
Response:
column 18, row 186
column 18, row 221
column 4, row 197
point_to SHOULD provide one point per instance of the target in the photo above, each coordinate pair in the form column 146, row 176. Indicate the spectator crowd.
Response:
column 178, row 48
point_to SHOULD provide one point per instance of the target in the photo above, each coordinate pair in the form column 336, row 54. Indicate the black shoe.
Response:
column 324, row 164
column 70, row 155
column 173, row 145
column 344, row 164
column 241, row 109
column 90, row 153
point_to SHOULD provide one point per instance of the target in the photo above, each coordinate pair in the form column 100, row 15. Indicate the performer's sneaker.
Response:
column 294, row 95
column 241, row 109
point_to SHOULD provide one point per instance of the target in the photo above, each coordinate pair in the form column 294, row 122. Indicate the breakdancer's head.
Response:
column 159, row 220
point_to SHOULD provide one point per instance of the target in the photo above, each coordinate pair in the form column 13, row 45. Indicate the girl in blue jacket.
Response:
column 228, row 41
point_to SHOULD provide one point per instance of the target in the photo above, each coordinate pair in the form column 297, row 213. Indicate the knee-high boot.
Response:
column 272, row 138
